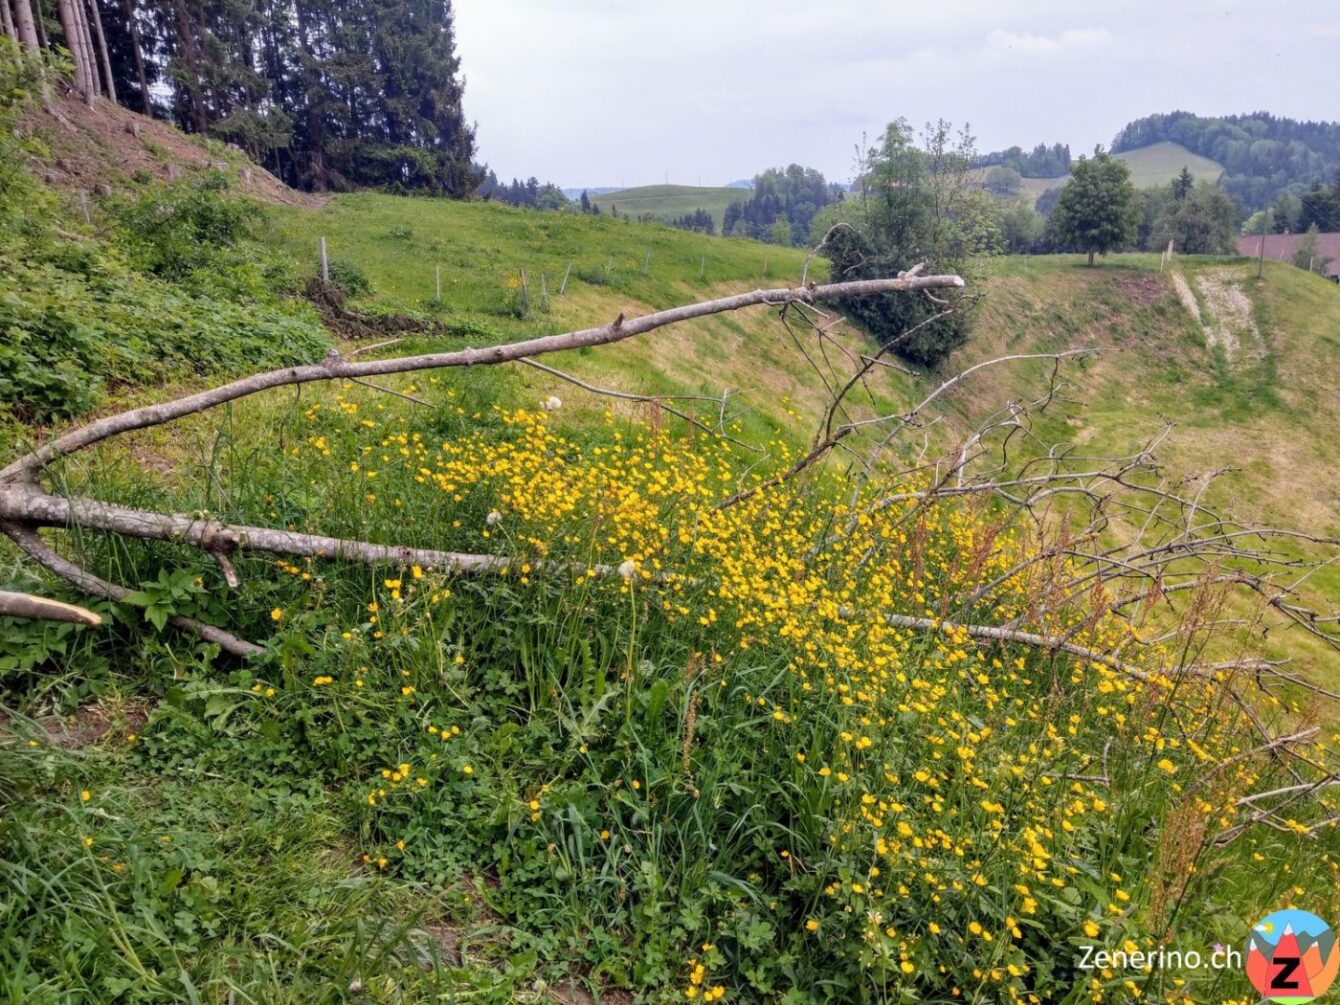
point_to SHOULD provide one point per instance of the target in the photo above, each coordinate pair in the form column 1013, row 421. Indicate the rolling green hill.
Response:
column 1151, row 166
column 671, row 200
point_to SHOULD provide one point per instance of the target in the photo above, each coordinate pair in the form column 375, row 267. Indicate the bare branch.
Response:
column 335, row 367
column 25, row 605
column 39, row 551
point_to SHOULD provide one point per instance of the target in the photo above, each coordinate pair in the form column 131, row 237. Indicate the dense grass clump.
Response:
column 670, row 748
column 167, row 286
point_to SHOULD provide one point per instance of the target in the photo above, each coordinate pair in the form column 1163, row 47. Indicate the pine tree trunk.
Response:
column 69, row 21
column 90, row 58
column 42, row 39
column 109, row 81
column 7, row 22
column 24, row 24
column 138, row 57
column 187, row 43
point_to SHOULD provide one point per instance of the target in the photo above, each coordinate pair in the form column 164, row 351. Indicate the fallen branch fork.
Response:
column 42, row 553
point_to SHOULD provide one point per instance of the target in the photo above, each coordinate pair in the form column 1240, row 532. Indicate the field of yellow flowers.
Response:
column 667, row 748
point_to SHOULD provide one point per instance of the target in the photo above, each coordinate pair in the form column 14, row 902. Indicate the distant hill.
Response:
column 1262, row 154
column 591, row 191
column 670, row 200
column 1151, row 166
column 741, row 183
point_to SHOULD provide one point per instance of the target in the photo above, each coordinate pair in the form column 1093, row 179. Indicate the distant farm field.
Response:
column 1151, row 166
column 671, row 200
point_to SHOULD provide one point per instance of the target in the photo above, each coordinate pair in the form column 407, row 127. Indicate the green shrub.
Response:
column 350, row 278
column 174, row 230
column 73, row 322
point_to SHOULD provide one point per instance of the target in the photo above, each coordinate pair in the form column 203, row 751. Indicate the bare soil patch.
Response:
column 96, row 149
column 1229, row 324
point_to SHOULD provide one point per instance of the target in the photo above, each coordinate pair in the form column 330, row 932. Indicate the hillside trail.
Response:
column 1227, row 316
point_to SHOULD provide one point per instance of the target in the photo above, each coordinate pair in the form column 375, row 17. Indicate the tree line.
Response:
column 1041, row 162
column 328, row 94
column 781, row 205
column 1263, row 155
column 529, row 193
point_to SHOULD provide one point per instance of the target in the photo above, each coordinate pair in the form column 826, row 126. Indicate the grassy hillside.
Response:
column 671, row 200
column 1248, row 387
column 1238, row 398
column 719, row 774
column 1151, row 166
column 484, row 248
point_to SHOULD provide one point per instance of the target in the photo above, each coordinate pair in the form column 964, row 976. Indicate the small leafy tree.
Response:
column 1096, row 213
column 913, row 204
column 1203, row 221
column 1308, row 253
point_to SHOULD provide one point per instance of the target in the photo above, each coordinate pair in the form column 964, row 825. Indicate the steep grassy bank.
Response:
column 719, row 773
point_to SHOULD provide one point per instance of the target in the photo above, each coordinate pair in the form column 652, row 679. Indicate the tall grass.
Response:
column 717, row 773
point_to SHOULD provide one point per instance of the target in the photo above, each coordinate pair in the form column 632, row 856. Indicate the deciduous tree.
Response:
column 1095, row 213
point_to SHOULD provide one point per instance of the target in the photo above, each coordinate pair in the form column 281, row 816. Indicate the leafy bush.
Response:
column 173, row 230
column 350, row 278
column 595, row 275
column 890, row 317
column 76, row 322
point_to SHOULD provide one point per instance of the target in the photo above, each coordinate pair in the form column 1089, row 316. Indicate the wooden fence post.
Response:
column 325, row 261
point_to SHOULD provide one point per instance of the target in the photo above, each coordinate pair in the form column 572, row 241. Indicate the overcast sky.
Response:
column 630, row 92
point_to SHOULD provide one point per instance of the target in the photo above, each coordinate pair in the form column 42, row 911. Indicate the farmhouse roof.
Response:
column 1281, row 248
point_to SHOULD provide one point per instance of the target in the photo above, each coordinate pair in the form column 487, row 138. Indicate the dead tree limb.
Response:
column 44, row 555
column 25, row 605
column 336, row 367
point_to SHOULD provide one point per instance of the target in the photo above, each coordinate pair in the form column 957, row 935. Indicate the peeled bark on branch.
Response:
column 25, row 605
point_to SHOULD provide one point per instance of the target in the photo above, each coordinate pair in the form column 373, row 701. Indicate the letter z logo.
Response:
column 1284, row 969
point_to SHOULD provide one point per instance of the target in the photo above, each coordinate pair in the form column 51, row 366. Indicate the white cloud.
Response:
column 609, row 92
column 1067, row 41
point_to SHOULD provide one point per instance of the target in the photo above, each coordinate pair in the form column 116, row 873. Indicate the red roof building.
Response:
column 1281, row 248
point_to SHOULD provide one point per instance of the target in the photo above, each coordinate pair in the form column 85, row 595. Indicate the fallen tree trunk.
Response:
column 28, row 505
